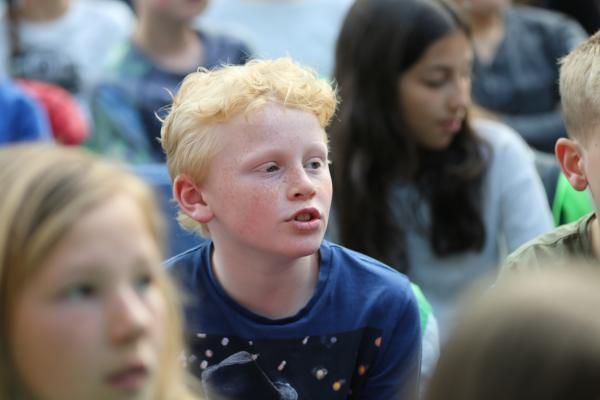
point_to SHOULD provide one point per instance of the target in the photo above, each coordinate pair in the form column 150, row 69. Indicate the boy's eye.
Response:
column 269, row 167
column 314, row 164
column 80, row 291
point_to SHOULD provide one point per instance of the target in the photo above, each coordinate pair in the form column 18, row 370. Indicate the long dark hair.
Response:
column 371, row 149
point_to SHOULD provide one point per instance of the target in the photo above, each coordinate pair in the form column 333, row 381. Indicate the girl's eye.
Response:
column 437, row 83
column 80, row 292
column 144, row 281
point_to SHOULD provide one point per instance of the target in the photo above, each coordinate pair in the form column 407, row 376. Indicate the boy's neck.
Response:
column 275, row 288
column 173, row 46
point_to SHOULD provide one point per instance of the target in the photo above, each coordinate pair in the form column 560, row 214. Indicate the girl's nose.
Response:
column 129, row 316
column 460, row 97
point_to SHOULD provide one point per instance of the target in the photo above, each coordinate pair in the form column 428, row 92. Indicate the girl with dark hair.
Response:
column 423, row 189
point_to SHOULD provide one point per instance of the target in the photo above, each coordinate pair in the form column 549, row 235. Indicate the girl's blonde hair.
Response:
column 207, row 98
column 46, row 189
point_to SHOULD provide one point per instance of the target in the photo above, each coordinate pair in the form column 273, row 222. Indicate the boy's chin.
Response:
column 304, row 248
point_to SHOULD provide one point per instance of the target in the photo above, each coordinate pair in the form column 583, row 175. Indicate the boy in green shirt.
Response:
column 579, row 158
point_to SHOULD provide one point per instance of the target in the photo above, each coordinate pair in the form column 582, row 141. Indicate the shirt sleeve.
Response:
column 118, row 131
column 396, row 374
column 31, row 121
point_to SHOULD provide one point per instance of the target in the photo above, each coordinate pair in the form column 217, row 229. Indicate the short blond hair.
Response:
column 208, row 98
column 580, row 88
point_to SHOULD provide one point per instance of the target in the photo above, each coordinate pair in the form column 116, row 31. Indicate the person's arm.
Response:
column 397, row 369
column 118, row 131
column 524, row 209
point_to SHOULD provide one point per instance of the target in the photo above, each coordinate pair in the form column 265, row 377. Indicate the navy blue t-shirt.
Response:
column 358, row 336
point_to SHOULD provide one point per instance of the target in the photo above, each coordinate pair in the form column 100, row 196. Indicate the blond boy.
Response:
column 579, row 157
column 247, row 151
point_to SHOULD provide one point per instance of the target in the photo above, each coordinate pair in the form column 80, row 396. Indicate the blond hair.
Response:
column 208, row 98
column 533, row 336
column 46, row 189
column 580, row 88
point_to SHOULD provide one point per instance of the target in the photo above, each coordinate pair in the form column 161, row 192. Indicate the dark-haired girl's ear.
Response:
column 569, row 154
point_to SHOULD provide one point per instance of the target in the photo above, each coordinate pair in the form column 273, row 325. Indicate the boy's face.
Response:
column 270, row 189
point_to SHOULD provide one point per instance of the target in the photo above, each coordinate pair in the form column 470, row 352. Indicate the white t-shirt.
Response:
column 72, row 50
column 305, row 30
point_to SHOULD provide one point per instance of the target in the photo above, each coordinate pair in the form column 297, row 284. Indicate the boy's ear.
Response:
column 569, row 155
column 190, row 199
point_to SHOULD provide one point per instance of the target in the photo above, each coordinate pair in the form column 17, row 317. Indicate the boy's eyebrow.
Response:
column 259, row 154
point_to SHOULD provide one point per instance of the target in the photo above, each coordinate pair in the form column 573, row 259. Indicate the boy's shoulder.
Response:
column 357, row 261
column 565, row 242
column 190, row 262
column 363, row 275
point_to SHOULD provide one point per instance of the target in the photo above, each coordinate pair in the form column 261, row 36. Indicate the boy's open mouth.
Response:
column 306, row 215
column 303, row 217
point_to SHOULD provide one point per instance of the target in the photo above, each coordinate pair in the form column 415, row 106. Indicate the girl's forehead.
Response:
column 453, row 47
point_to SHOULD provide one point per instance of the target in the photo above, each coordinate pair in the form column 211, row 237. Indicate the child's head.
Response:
column 403, row 70
column 405, row 64
column 86, row 309
column 213, row 107
column 579, row 87
column 171, row 10
column 535, row 336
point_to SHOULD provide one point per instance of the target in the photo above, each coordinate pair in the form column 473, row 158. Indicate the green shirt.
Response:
column 570, row 241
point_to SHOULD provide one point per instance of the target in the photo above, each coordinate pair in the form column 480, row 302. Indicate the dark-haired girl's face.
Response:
column 434, row 93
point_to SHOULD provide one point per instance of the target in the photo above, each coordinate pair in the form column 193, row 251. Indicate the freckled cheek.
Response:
column 257, row 207
column 326, row 193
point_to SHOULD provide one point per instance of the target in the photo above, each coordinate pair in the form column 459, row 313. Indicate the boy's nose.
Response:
column 301, row 186
column 129, row 317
